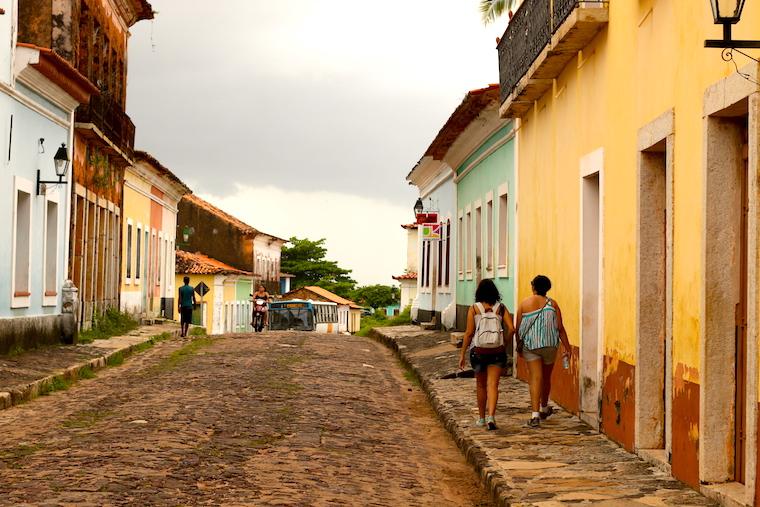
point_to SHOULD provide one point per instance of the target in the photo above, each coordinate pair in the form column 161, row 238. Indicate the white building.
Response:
column 408, row 279
column 39, row 92
column 436, row 277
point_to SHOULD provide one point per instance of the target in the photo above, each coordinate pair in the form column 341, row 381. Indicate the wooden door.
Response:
column 741, row 330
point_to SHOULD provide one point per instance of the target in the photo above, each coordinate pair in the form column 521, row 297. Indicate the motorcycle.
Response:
column 259, row 309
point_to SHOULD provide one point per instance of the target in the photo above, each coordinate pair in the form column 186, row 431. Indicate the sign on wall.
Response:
column 431, row 231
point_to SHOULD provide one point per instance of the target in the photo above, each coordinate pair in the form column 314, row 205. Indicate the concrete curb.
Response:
column 27, row 392
column 496, row 486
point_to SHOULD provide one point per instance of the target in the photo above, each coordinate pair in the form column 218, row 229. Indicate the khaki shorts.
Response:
column 548, row 354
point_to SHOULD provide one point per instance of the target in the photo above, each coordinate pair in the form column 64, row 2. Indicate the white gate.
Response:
column 237, row 316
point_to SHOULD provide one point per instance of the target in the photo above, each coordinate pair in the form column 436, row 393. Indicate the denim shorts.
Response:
column 481, row 362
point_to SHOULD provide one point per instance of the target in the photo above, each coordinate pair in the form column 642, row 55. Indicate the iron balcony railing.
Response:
column 528, row 33
column 110, row 118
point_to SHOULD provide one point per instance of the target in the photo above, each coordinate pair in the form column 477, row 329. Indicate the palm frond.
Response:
column 490, row 10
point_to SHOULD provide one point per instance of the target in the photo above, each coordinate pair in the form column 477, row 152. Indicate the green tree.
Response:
column 376, row 296
column 492, row 9
column 306, row 260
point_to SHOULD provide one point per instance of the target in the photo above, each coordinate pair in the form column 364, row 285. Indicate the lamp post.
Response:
column 61, row 161
column 418, row 206
column 728, row 13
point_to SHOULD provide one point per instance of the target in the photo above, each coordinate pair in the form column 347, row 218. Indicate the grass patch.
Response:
column 57, row 384
column 183, row 354
column 370, row 322
column 86, row 373
column 108, row 324
column 264, row 441
column 13, row 455
column 197, row 331
column 410, row 376
column 17, row 350
column 85, row 419
column 116, row 359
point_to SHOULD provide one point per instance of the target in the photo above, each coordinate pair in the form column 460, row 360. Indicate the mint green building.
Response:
column 486, row 211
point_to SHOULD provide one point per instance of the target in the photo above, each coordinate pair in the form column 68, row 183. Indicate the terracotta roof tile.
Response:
column 147, row 157
column 326, row 294
column 409, row 226
column 237, row 223
column 199, row 264
column 472, row 105
column 406, row 276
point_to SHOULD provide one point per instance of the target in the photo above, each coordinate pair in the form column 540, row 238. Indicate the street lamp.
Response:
column 61, row 161
column 418, row 207
column 727, row 13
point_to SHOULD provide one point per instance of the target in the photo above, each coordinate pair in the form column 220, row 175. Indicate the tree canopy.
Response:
column 376, row 296
column 492, row 9
column 306, row 260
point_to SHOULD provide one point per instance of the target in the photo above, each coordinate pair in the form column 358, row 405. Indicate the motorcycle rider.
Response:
column 261, row 293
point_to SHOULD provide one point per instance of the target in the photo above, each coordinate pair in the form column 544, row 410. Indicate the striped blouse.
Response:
column 545, row 332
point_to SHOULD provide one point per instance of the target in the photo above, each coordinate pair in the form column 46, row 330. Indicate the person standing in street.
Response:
column 489, row 327
column 539, row 332
column 186, row 304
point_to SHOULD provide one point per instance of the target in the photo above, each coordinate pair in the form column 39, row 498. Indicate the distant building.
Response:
column 151, row 195
column 39, row 91
column 349, row 313
column 225, row 306
column 202, row 227
column 408, row 280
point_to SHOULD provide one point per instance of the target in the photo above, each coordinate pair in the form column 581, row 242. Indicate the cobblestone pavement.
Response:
column 564, row 462
column 274, row 419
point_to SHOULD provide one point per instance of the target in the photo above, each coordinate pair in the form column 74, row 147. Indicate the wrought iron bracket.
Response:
column 40, row 182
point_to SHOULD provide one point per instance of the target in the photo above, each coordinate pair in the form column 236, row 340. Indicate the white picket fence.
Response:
column 236, row 316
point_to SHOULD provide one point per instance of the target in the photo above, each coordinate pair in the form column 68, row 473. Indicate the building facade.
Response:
column 92, row 36
column 39, row 92
column 349, row 313
column 436, row 282
column 408, row 279
column 639, row 153
column 151, row 195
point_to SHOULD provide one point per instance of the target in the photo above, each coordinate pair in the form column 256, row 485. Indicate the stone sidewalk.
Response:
column 564, row 462
column 29, row 374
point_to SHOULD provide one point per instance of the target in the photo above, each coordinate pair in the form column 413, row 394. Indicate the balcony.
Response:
column 540, row 40
column 104, row 119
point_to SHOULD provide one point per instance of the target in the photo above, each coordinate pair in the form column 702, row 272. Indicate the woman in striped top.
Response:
column 540, row 328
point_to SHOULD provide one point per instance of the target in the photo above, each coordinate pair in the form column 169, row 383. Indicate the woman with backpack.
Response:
column 489, row 327
column 539, row 332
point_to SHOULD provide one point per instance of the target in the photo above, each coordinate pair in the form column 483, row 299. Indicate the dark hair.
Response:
column 541, row 284
column 186, row 280
column 487, row 292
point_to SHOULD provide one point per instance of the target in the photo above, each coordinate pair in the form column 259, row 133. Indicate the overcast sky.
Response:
column 303, row 117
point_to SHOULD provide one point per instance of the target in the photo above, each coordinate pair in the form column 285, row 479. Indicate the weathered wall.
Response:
column 214, row 236
column 22, row 333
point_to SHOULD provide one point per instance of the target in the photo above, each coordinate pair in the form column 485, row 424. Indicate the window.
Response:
column 427, row 263
column 51, row 254
column 325, row 314
column 489, row 236
column 503, row 231
column 447, row 277
column 424, row 266
column 478, row 238
column 21, row 252
column 138, row 254
column 460, row 239
column 129, row 252
column 440, row 260
column 468, row 242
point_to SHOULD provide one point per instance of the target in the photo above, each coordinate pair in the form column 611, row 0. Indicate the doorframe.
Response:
column 715, row 461
column 647, row 393
column 592, row 164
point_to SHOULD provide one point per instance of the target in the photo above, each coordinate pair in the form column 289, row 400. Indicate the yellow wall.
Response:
column 649, row 60
column 208, row 298
column 137, row 209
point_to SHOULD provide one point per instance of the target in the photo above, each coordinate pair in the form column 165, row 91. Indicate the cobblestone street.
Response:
column 276, row 419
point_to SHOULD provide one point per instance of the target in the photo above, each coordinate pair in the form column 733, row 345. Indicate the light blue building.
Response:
column 39, row 92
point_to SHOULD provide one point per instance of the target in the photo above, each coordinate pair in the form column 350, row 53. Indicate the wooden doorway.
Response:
column 740, row 430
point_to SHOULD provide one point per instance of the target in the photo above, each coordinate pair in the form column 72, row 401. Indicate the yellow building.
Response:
column 222, row 307
column 151, row 196
column 638, row 154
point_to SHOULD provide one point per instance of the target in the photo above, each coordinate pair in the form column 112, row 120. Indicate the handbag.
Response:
column 520, row 342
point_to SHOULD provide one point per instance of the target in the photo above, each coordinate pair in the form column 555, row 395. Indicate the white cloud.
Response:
column 363, row 234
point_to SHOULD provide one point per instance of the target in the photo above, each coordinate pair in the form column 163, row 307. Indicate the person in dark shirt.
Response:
column 186, row 303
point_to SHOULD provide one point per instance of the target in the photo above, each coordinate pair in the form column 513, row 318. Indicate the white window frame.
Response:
column 460, row 245
column 26, row 186
column 468, row 250
column 502, row 238
column 160, row 275
column 128, row 257
column 490, row 257
column 138, row 254
column 50, row 300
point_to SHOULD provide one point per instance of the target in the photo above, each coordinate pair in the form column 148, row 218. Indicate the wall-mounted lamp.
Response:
column 727, row 13
column 61, row 161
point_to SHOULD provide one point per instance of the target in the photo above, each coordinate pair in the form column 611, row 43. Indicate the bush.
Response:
column 380, row 320
column 108, row 324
